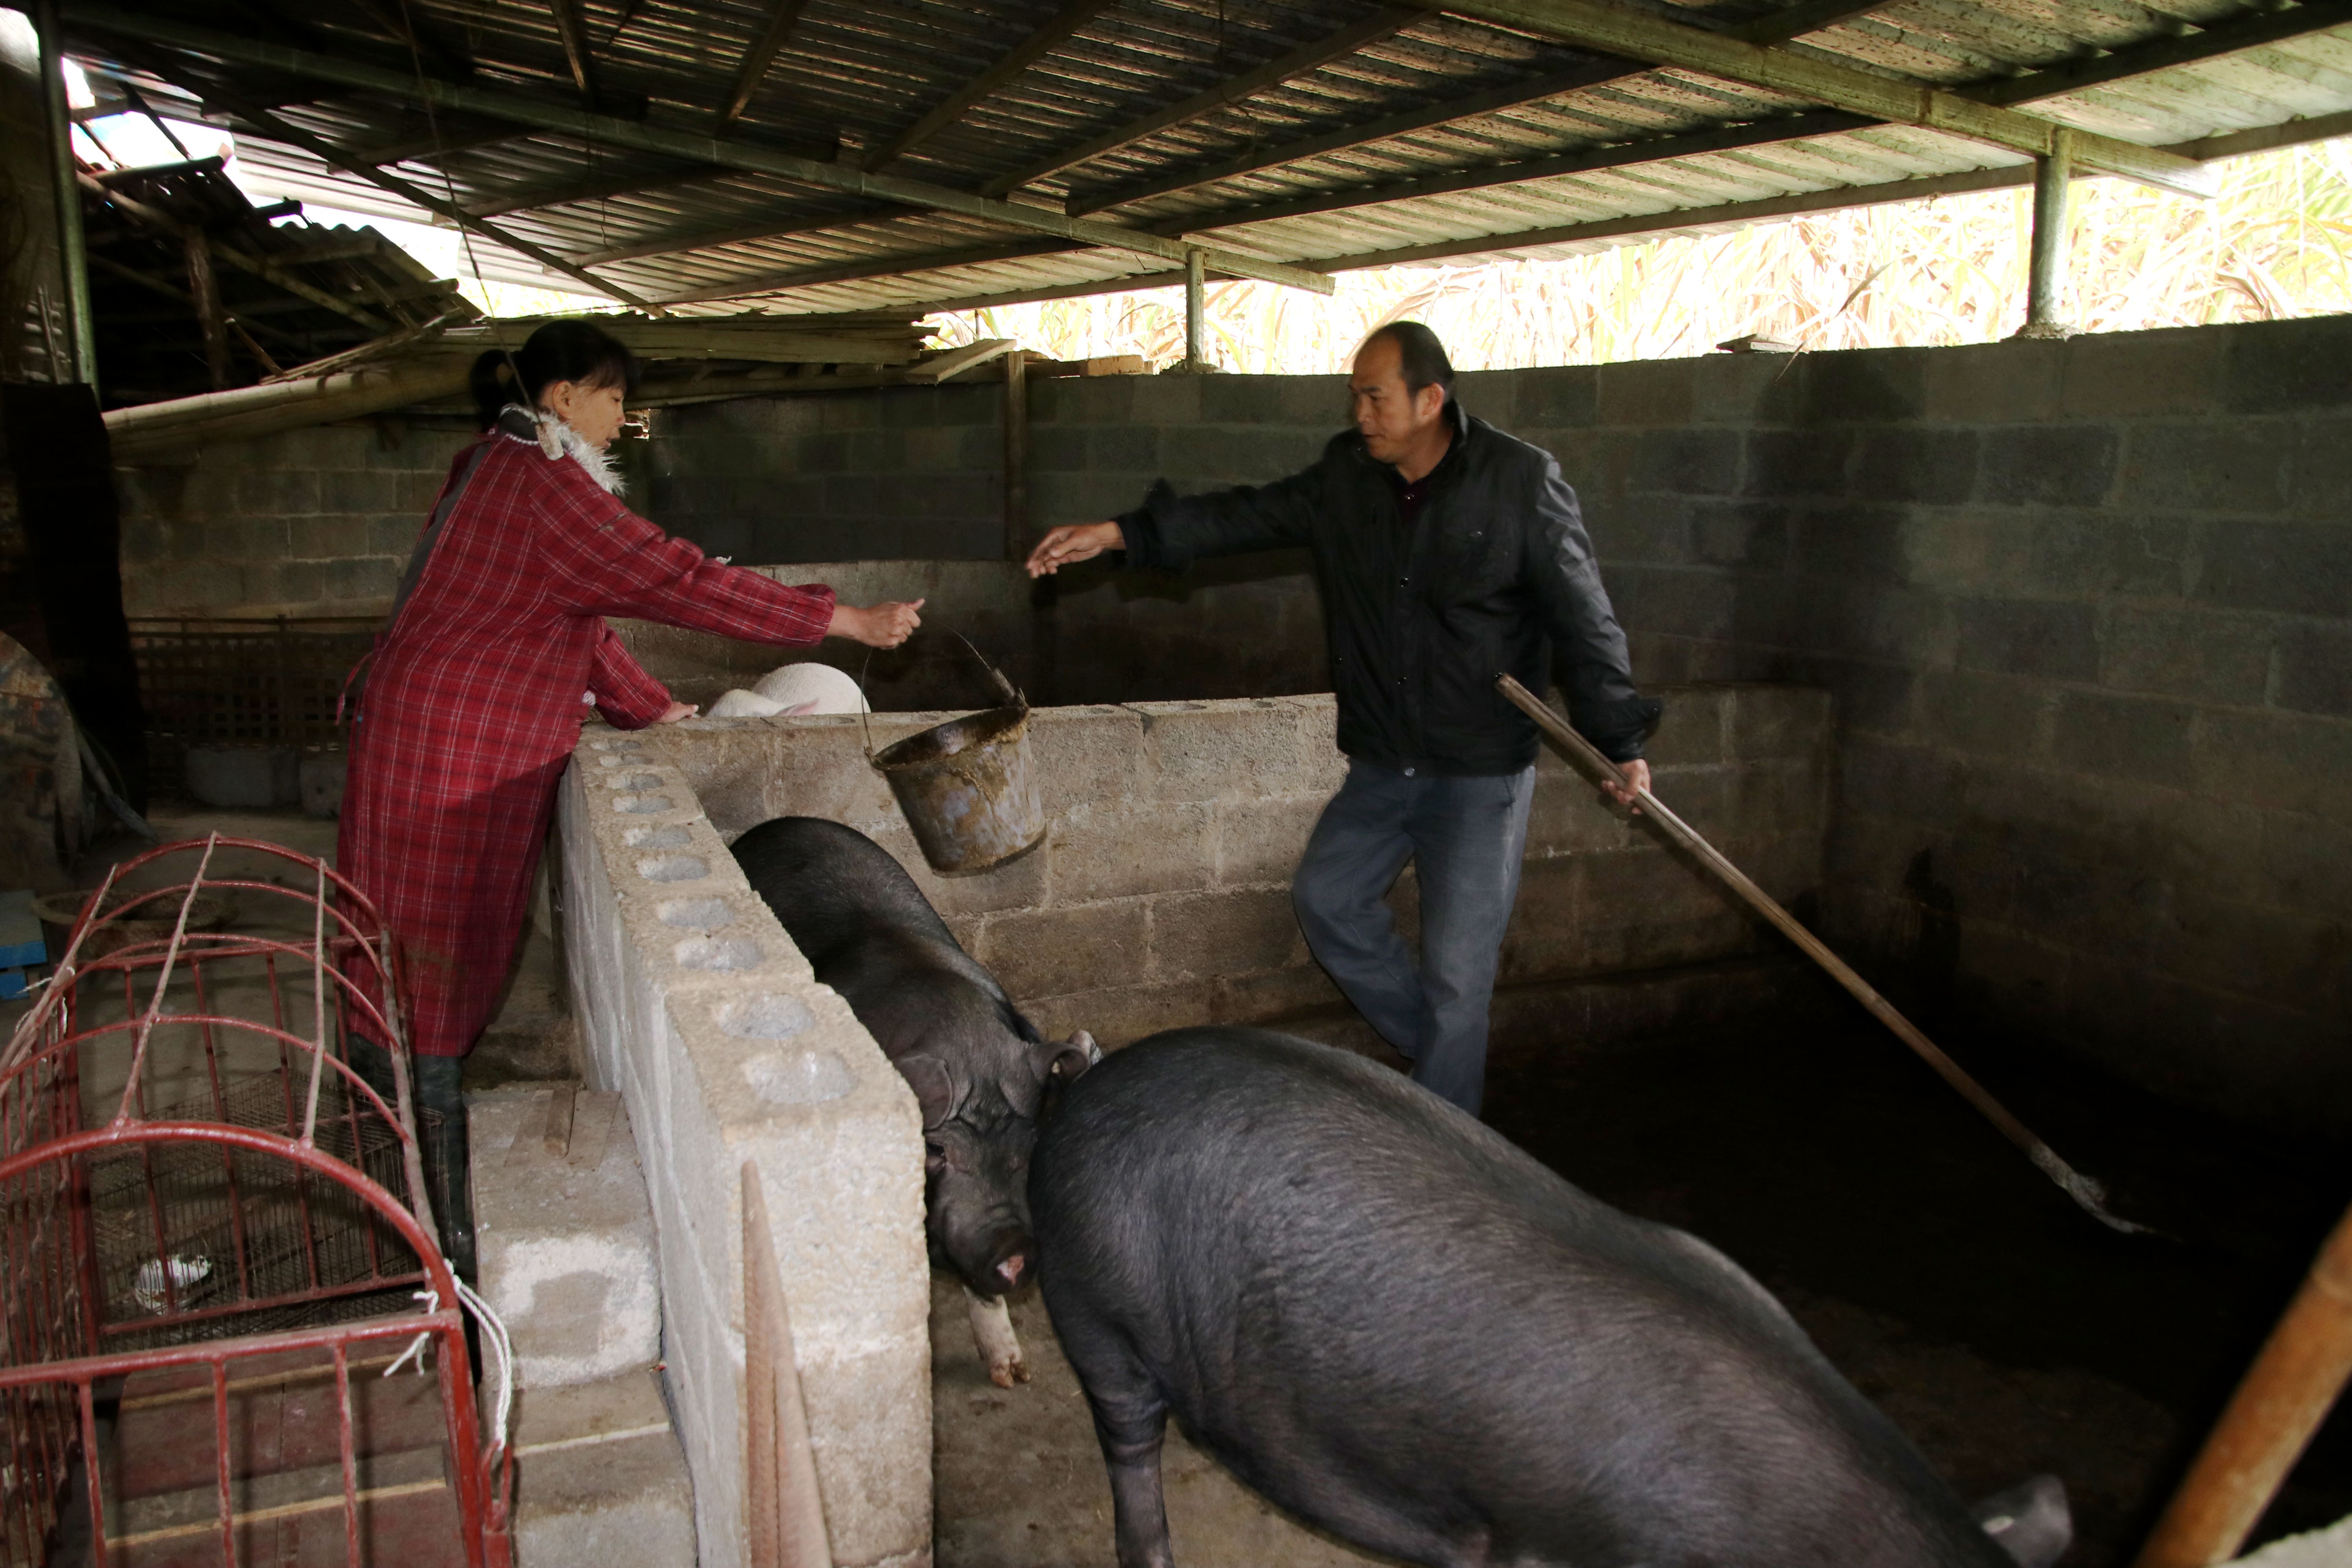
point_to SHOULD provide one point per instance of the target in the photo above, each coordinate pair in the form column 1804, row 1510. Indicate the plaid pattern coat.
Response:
column 472, row 704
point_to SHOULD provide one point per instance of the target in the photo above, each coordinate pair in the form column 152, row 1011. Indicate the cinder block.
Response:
column 600, row 1477
column 1688, row 462
column 2022, row 637
column 2122, row 375
column 566, row 1238
column 1991, row 384
column 1868, row 386
column 1052, row 952
column 2195, row 653
column 2299, row 568
column 2044, row 465
column 2207, row 464
column 1260, row 841
column 1199, row 936
column 2314, row 669
column 1648, row 392
column 2287, row 367
column 1123, row 851
column 1929, row 464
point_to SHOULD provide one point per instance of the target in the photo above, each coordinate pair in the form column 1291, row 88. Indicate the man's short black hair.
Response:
column 1423, row 356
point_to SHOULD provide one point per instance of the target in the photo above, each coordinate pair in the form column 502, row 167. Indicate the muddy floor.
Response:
column 1998, row 1326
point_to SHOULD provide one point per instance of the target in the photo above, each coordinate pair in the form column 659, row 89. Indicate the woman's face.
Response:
column 595, row 411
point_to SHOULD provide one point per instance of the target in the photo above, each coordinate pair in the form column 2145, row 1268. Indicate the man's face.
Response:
column 1391, row 418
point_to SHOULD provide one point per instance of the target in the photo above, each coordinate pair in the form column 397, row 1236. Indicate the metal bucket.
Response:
column 966, row 786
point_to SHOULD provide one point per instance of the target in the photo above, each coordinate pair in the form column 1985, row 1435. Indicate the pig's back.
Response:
column 1345, row 1284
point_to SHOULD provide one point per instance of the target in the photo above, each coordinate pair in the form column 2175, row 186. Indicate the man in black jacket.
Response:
column 1446, row 552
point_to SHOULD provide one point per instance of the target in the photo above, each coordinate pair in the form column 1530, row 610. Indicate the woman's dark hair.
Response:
column 573, row 351
column 1425, row 361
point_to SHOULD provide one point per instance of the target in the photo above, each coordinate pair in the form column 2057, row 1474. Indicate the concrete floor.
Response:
column 1019, row 1481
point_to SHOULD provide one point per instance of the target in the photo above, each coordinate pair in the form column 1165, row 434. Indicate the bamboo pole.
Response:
column 783, row 1514
column 2083, row 1190
column 2269, row 1421
column 151, row 430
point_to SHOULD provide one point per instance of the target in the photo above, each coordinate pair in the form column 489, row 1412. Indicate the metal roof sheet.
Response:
column 1327, row 131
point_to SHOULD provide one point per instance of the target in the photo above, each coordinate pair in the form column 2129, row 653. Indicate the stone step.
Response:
column 600, row 1477
column 565, row 1235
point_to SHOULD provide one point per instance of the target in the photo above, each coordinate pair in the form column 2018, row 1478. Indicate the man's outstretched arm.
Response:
column 1073, row 543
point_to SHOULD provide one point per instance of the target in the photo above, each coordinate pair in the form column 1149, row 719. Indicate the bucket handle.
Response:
column 1011, row 694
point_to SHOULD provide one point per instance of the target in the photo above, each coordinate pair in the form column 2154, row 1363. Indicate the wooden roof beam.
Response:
column 1384, row 23
column 1792, row 22
column 756, row 60
column 1027, row 53
column 1638, row 35
column 573, row 32
column 614, row 132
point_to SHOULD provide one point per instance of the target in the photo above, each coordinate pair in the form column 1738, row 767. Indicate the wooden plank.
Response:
column 783, row 1514
column 955, row 361
column 204, row 290
column 576, row 53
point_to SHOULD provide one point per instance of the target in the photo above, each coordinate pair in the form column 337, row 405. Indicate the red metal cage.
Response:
column 217, row 1264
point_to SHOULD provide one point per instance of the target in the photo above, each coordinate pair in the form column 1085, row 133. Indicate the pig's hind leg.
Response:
column 1131, row 1420
column 991, row 1331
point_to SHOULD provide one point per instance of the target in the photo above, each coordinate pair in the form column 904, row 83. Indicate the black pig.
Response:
column 1394, row 1323
column 977, row 1067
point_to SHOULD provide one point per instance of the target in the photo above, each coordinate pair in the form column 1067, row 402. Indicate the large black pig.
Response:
column 979, row 1068
column 1397, row 1325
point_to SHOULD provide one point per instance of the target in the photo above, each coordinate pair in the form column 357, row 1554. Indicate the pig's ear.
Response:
column 934, row 1089
column 1074, row 1056
column 2030, row 1522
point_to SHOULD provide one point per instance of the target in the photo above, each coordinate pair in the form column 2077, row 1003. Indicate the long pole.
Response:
column 2081, row 1188
column 1196, row 311
column 2054, row 179
column 73, row 257
column 2269, row 1422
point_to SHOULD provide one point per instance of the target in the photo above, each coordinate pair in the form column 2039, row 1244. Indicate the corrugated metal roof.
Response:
column 1297, row 131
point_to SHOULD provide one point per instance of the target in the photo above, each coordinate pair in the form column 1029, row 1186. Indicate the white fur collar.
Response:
column 569, row 442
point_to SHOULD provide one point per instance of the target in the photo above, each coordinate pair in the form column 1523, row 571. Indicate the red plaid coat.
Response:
column 472, row 706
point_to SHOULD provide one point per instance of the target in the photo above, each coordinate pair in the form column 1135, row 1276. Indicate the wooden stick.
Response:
column 784, row 1516
column 2083, row 1190
column 2269, row 1422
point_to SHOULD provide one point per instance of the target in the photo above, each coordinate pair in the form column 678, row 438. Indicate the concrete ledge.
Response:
column 600, row 1478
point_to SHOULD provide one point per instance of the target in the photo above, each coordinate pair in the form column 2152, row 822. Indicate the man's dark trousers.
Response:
column 1464, row 836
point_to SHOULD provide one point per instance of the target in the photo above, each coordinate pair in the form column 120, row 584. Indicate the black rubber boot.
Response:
column 374, row 1064
column 448, row 1163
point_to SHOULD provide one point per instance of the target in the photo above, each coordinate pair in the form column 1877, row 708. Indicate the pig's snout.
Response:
column 1012, row 1263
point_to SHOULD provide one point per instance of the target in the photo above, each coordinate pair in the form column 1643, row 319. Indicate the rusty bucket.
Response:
column 966, row 786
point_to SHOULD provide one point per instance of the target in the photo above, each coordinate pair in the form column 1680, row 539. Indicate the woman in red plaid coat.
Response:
column 474, row 697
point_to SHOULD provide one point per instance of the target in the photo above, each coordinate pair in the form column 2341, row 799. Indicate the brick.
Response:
column 1744, row 389
column 2029, row 637
column 2110, row 375
column 601, row 1478
column 1160, row 400
column 1868, row 386
column 1651, row 528
column 1555, row 398
column 1987, row 715
column 2300, row 568
column 1118, row 851
column 1196, row 936
column 1851, row 540
column 1243, row 399
column 2238, row 466
column 1688, row 462
column 2193, row 653
column 1871, row 620
column 2067, row 465
column 1260, row 841
column 2288, row 367
column 1991, row 384
column 1646, row 391
column 2123, row 737
column 1052, row 952
column 366, row 578
column 1787, row 464
column 1739, row 534
column 1663, row 599
column 2319, row 468
column 1220, row 751
column 1930, row 463
column 2314, row 669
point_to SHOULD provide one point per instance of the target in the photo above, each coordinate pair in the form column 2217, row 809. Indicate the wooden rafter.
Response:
column 1633, row 35
column 612, row 132
column 590, row 190
column 573, row 32
column 1780, row 26
column 1382, row 24
column 261, row 267
column 1027, row 53
column 757, row 59
column 866, row 267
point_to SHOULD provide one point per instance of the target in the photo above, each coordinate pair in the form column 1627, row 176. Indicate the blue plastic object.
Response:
column 21, row 941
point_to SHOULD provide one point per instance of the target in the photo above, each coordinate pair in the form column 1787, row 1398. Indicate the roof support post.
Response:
column 1016, row 455
column 2053, row 178
column 1196, row 311
column 73, row 253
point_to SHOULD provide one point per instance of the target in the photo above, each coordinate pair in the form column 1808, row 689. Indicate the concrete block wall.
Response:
column 310, row 522
column 1161, row 894
column 698, row 1009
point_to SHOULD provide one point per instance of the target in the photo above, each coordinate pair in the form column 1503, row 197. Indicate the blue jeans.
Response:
column 1464, row 836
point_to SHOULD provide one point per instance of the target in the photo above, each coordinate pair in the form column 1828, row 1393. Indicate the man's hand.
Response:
column 677, row 711
column 886, row 625
column 1637, row 774
column 1073, row 542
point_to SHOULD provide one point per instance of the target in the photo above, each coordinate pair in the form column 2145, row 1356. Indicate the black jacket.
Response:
column 1420, row 626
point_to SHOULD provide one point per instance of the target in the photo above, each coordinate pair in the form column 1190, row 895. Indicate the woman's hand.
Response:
column 1073, row 542
column 886, row 625
column 677, row 711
